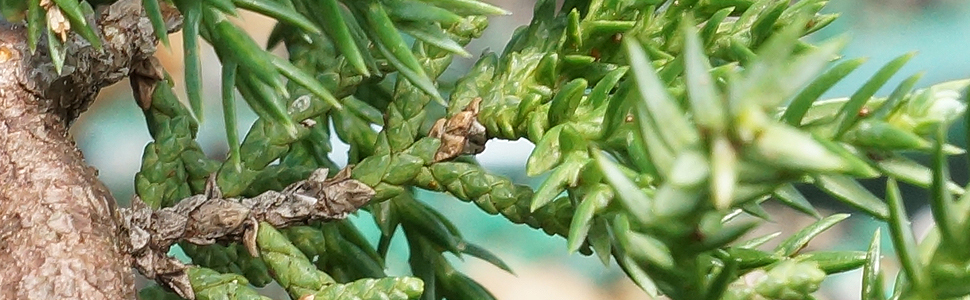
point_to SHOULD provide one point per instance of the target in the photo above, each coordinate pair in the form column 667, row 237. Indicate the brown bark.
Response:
column 59, row 229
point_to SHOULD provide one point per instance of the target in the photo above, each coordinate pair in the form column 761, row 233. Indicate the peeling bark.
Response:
column 60, row 234
column 460, row 134
column 209, row 218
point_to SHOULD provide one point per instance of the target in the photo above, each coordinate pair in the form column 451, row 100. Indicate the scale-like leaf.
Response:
column 579, row 227
column 547, row 153
column 566, row 174
column 642, row 246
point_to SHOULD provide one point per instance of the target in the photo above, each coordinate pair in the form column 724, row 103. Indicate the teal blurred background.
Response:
column 113, row 134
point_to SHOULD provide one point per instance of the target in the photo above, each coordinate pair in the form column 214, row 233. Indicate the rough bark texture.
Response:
column 59, row 227
column 208, row 218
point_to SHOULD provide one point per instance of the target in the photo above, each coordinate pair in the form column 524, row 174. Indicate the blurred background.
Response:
column 113, row 134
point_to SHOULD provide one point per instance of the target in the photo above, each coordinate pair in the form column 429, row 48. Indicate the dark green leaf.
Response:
column 720, row 283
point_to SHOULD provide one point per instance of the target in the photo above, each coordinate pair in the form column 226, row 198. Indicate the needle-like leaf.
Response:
column 800, row 239
column 803, row 101
column 278, row 11
column 229, row 112
column 75, row 14
column 36, row 24
column 851, row 192
column 872, row 288
column 902, row 237
column 849, row 113
column 154, row 12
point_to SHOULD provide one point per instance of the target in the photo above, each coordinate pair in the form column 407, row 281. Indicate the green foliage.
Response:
column 656, row 123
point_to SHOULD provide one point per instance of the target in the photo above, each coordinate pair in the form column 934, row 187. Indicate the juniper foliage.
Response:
column 656, row 123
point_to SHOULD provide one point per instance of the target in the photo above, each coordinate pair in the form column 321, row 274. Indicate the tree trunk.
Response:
column 59, row 229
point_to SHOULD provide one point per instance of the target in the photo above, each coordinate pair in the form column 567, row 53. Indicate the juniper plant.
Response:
column 657, row 124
